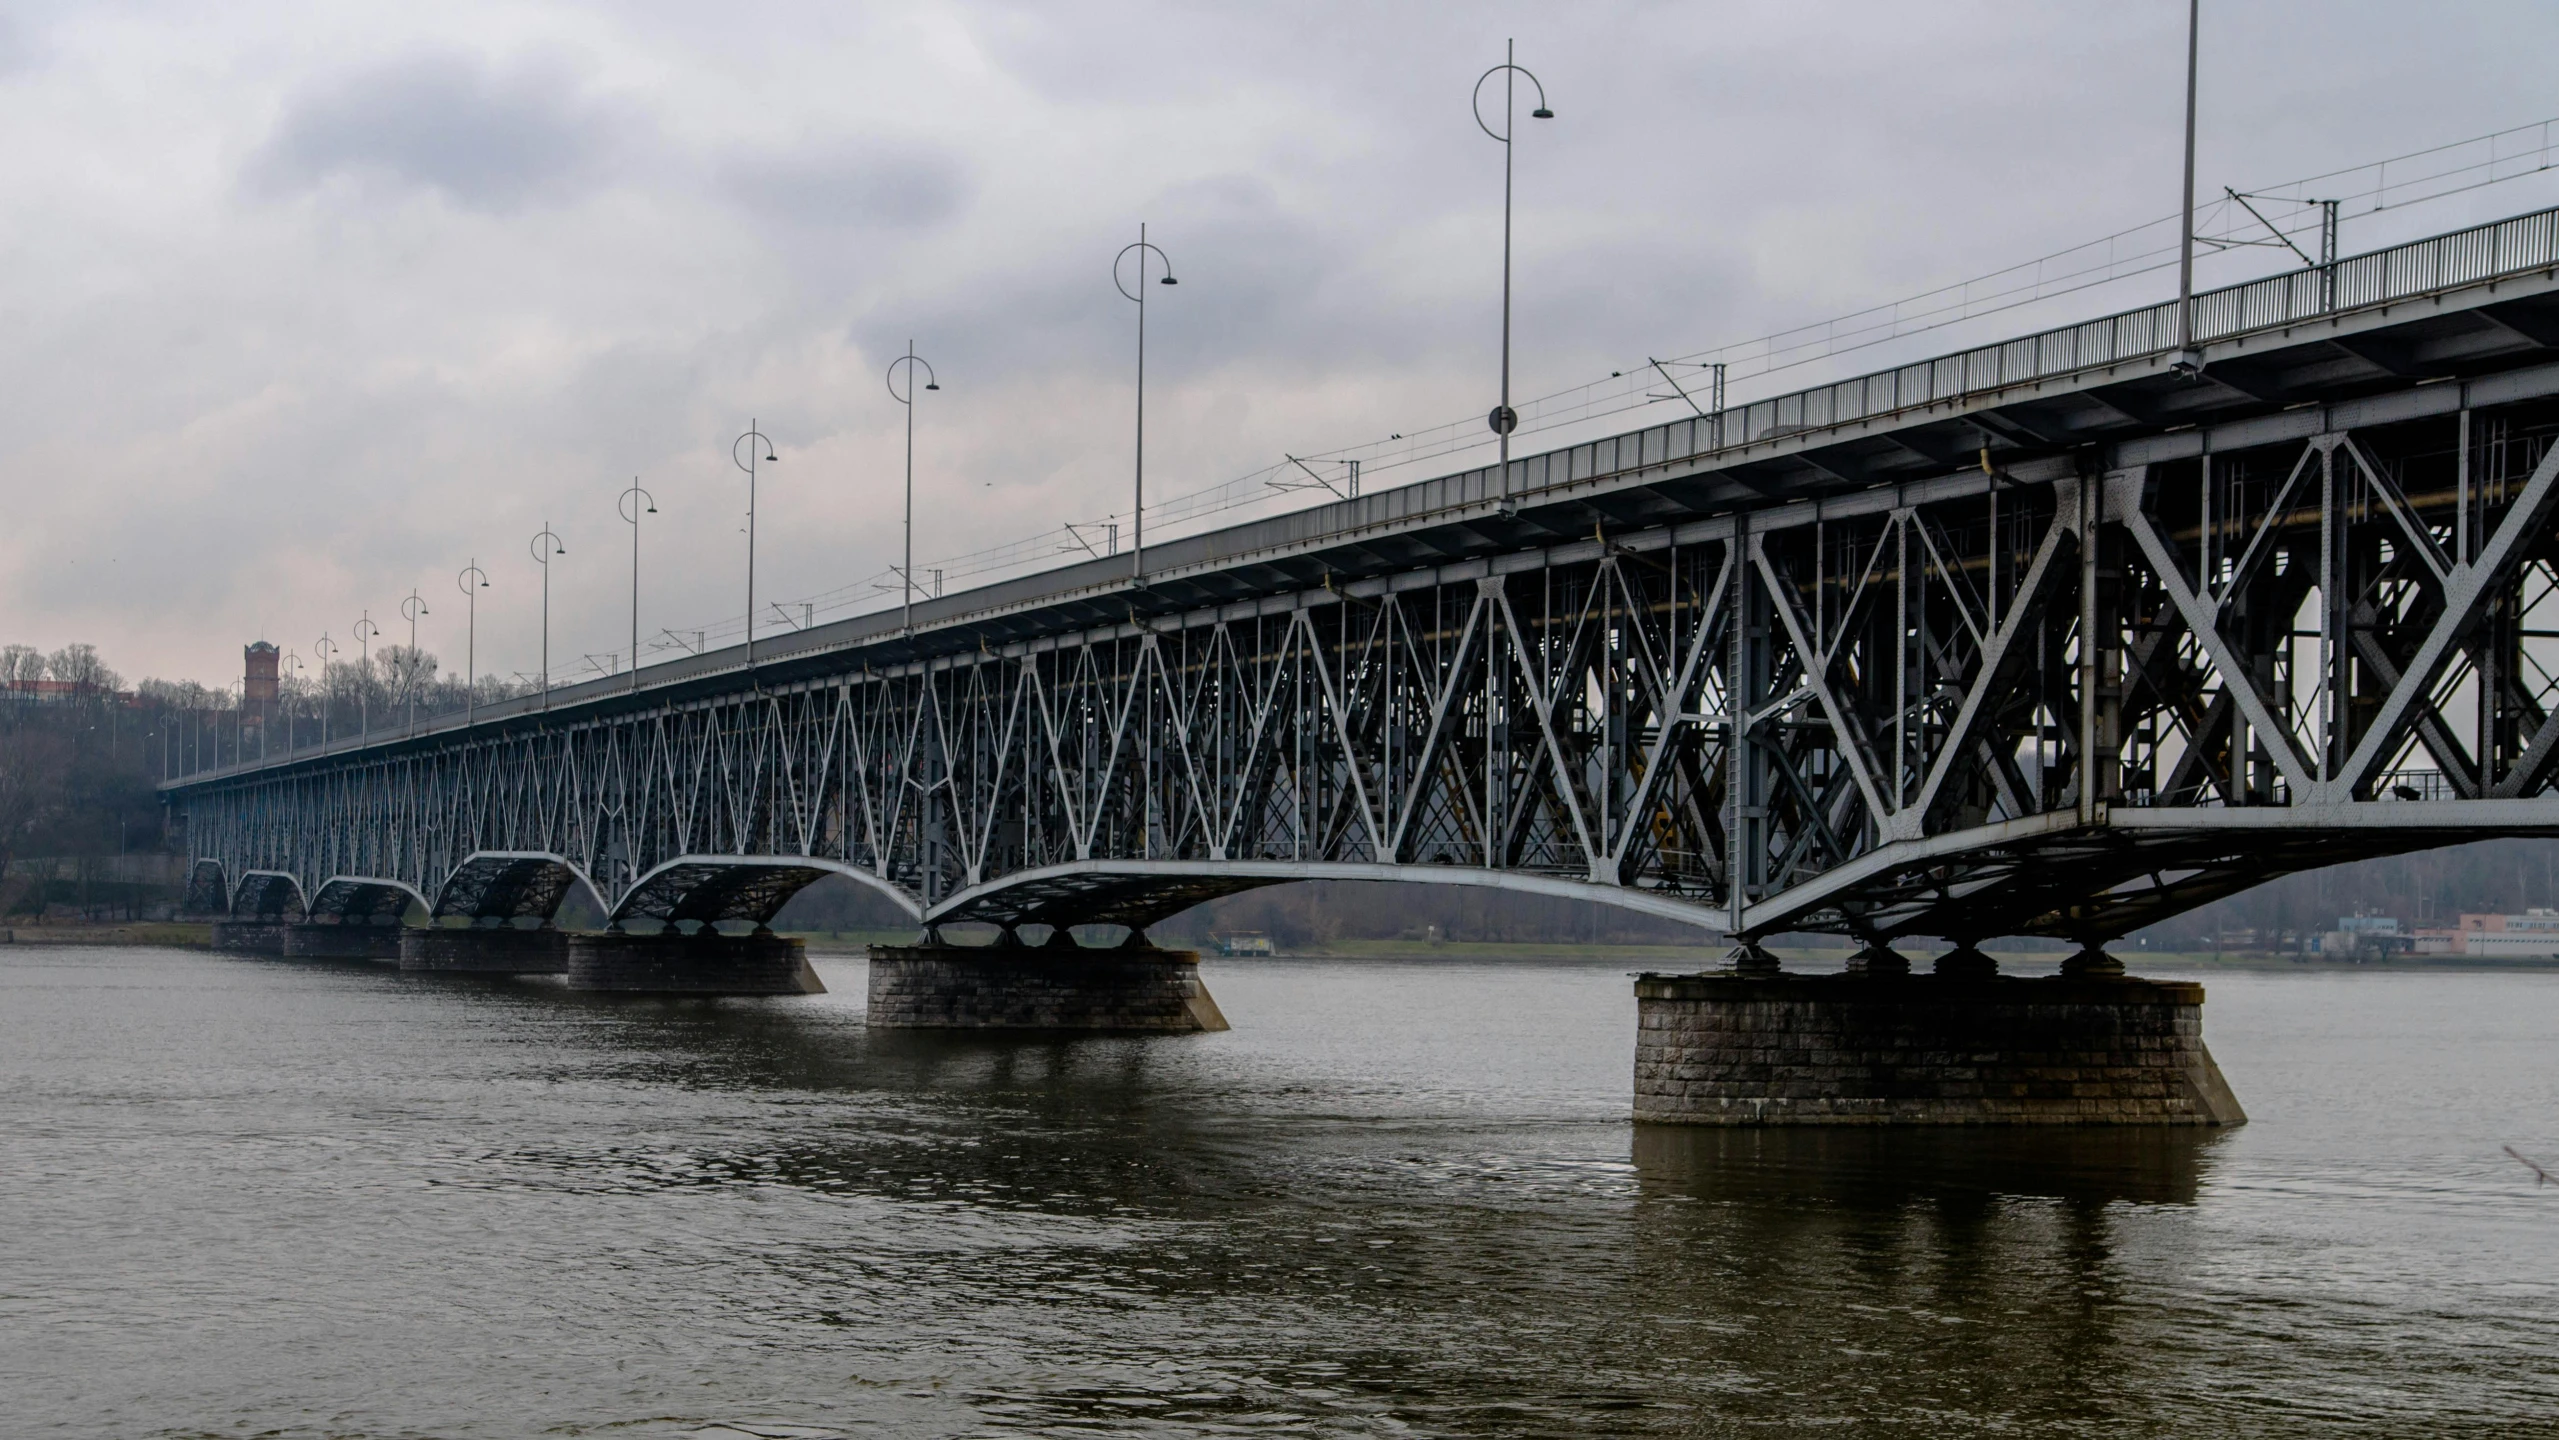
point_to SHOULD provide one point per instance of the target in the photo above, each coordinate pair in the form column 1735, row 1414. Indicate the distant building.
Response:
column 258, row 682
column 2534, row 932
column 52, row 690
column 1244, row 942
column 2360, row 937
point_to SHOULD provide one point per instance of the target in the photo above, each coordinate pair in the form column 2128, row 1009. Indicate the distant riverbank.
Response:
column 198, row 935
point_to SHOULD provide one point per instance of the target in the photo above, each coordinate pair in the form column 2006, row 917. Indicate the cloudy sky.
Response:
column 308, row 306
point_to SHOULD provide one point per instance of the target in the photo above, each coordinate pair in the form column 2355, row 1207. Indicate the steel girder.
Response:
column 507, row 885
column 2067, row 700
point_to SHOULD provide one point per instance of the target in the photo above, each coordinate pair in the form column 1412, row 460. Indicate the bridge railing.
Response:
column 2402, row 272
column 2415, row 785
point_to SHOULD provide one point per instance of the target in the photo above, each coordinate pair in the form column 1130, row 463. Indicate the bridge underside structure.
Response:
column 2050, row 637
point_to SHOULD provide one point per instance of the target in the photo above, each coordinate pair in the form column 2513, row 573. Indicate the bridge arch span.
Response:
column 508, row 885
column 365, row 900
column 2055, row 876
column 268, row 894
column 208, row 889
column 711, row 888
column 1140, row 893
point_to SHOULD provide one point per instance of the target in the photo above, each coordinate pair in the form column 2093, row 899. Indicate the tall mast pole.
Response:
column 1510, row 72
column 2187, row 356
column 906, row 573
column 1137, row 517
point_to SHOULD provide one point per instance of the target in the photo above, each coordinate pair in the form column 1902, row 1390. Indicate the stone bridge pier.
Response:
column 252, row 917
column 1956, row 1048
column 1057, row 983
column 495, row 915
column 664, row 938
column 353, row 918
column 1060, row 985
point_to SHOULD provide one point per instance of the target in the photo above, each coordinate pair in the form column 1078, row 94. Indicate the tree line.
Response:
column 79, row 758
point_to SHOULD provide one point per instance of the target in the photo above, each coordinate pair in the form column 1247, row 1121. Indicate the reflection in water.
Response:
column 1961, row 1271
column 1874, row 1167
column 305, row 1200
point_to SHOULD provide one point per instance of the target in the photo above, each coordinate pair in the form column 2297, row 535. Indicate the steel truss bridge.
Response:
column 2052, row 636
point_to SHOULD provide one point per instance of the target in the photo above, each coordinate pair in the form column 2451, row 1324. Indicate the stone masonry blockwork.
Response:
column 1853, row 1050
column 486, row 949
column 953, row 988
column 704, row 963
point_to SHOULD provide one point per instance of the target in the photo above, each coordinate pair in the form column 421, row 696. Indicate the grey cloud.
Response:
column 1260, row 280
column 487, row 137
column 851, row 186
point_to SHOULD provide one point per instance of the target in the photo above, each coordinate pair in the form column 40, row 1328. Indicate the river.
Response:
column 246, row 1197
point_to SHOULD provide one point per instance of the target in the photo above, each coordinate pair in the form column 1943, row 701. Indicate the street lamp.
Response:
column 1504, row 419
column 629, row 505
column 413, row 607
column 544, row 545
column 1137, row 517
column 764, row 447
column 325, row 647
column 365, row 630
column 2190, row 357
column 909, row 361
column 471, row 580
column 293, row 660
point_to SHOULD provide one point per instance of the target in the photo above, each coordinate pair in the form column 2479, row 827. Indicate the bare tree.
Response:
column 176, row 694
column 406, row 673
column 21, row 664
column 80, row 665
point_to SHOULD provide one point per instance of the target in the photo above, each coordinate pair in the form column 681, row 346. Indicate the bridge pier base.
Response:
column 1725, row 1049
column 250, row 937
column 951, row 987
column 704, row 963
column 318, row 940
column 485, row 950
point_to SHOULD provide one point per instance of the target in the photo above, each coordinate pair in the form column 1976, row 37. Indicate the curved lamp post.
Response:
column 544, row 545
column 1137, row 517
column 630, row 505
column 325, row 647
column 1504, row 419
column 293, row 662
column 412, row 608
column 763, row 446
column 471, row 580
column 365, row 630
column 908, row 362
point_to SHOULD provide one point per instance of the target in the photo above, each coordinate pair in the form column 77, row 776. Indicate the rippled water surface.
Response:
column 244, row 1197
